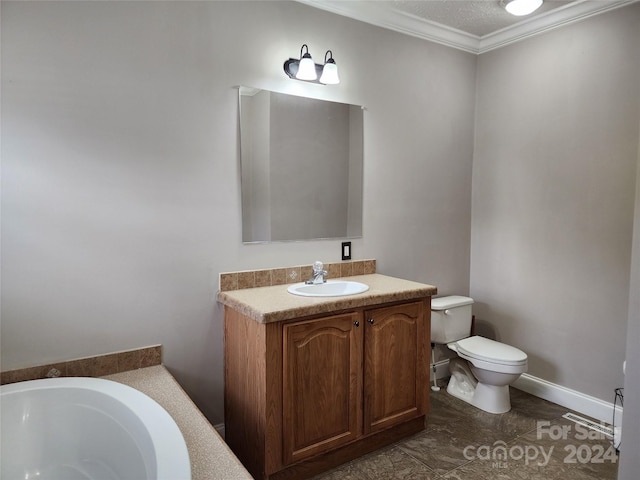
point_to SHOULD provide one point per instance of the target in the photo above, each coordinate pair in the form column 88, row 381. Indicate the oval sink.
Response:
column 332, row 288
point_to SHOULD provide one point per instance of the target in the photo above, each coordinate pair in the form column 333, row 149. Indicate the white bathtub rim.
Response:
column 167, row 439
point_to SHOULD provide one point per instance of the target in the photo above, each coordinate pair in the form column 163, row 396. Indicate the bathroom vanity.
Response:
column 312, row 382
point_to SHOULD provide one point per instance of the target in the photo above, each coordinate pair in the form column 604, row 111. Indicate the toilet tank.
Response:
column 450, row 318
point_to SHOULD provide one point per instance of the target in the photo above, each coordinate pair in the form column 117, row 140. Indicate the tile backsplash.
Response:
column 285, row 275
column 97, row 366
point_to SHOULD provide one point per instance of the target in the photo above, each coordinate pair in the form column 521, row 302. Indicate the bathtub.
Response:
column 87, row 428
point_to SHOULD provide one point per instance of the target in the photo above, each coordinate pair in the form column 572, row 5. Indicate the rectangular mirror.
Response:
column 301, row 167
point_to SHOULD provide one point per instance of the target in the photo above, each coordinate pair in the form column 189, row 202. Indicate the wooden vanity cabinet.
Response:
column 322, row 380
column 396, row 364
column 304, row 395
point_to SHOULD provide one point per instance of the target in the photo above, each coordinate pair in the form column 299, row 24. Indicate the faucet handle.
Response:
column 318, row 266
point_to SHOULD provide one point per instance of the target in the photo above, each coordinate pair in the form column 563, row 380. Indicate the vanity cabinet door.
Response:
column 394, row 365
column 322, row 384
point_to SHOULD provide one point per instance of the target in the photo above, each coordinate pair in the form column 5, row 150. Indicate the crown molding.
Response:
column 570, row 13
column 376, row 14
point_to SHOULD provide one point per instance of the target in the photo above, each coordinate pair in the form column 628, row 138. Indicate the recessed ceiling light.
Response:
column 521, row 7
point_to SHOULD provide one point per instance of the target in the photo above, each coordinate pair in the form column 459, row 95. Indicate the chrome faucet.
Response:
column 318, row 274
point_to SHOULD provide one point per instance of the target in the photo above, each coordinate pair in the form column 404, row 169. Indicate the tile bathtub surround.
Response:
column 97, row 366
column 460, row 442
column 284, row 275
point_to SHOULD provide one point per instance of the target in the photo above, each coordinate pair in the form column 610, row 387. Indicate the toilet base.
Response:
column 492, row 398
column 463, row 385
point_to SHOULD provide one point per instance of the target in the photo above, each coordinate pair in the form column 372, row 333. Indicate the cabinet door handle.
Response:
column 370, row 321
column 356, row 323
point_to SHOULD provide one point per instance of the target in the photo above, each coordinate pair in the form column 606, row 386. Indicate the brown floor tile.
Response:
column 394, row 464
column 462, row 442
column 443, row 448
column 388, row 463
column 486, row 470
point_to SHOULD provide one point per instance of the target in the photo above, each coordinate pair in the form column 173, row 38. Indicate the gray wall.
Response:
column 553, row 198
column 120, row 185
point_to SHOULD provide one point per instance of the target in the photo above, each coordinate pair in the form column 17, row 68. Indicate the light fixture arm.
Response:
column 330, row 60
column 306, row 55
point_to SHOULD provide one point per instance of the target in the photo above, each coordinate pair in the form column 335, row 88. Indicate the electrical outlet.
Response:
column 346, row 250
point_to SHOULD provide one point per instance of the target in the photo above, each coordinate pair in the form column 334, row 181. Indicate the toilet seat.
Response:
column 491, row 355
column 491, row 351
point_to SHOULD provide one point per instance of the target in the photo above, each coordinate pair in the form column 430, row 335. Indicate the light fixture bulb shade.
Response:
column 306, row 69
column 522, row 7
column 330, row 74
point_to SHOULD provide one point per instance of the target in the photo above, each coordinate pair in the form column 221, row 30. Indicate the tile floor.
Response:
column 460, row 443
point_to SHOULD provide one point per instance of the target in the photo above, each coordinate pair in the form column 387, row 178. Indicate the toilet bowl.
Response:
column 484, row 369
column 494, row 366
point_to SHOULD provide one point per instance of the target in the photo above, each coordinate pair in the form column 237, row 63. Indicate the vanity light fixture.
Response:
column 305, row 69
column 330, row 70
column 521, row 7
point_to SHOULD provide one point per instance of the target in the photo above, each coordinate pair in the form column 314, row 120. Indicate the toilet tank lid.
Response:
column 442, row 303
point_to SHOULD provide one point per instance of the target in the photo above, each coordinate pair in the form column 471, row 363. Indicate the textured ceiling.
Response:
column 473, row 26
column 475, row 17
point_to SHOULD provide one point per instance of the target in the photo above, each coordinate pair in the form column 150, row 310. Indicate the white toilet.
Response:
column 486, row 368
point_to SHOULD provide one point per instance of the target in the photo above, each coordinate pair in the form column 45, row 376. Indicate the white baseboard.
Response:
column 585, row 404
column 577, row 401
